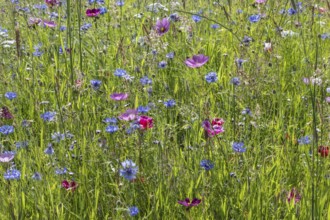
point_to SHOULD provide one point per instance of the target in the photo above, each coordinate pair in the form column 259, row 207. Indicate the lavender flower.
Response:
column 238, row 147
column 48, row 116
column 169, row 103
column 12, row 174
column 111, row 129
column 254, row 18
column 6, row 129
column 162, row 26
column 211, row 77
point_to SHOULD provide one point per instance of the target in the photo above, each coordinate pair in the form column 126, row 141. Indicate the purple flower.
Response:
column 212, row 129
column 119, row 96
column 211, row 77
column 238, row 147
column 129, row 115
column 196, row 61
column 189, row 204
column 48, row 116
column 162, row 26
column 5, row 113
column 170, row 55
column 235, row 81
column 145, row 81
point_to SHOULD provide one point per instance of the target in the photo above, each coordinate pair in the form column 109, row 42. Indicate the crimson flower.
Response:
column 324, row 151
column 145, row 122
column 69, row 185
column 93, row 12
column 188, row 204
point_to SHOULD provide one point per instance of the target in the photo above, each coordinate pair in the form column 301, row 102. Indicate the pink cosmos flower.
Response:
column 119, row 96
column 145, row 122
column 93, row 12
column 196, row 61
column 260, row 1
column 214, row 128
column 129, row 115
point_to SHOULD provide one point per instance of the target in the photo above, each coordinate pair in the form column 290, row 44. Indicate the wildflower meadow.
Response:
column 131, row 109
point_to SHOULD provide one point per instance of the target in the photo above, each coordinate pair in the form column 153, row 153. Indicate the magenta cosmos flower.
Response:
column 93, row 12
column 162, row 26
column 214, row 128
column 189, row 204
column 196, row 61
column 119, row 96
column 129, row 115
column 145, row 122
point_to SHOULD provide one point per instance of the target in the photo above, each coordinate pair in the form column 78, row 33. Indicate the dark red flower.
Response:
column 294, row 195
column 93, row 12
column 324, row 151
column 145, row 122
column 69, row 185
column 5, row 113
column 51, row 3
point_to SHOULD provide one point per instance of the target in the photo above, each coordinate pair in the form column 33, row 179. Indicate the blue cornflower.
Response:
column 57, row 137
column 103, row 10
column 53, row 15
column 133, row 211
column 111, row 129
column 145, row 81
column 246, row 40
column 133, row 126
column 169, row 103
column 239, row 62
column 174, row 17
column 170, row 55
column 40, row 7
column 247, row 111
column 254, row 18
column 325, row 36
column 97, row 1
column 304, row 140
column 36, row 176
column 235, row 81
column 49, row 150
column 48, row 116
column 196, row 18
column 12, row 174
column 120, row 72
column 21, row 144
column 211, row 77
column 162, row 64
column 291, row 11
column 238, row 147
column 62, row 28
column 120, row 3
column 215, row 26
column 143, row 109
column 110, row 121
column 15, row 1
column 129, row 170
column 60, row 171
column 85, row 27
column 95, row 84
column 206, row 164
column 10, row 95
column 6, row 129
